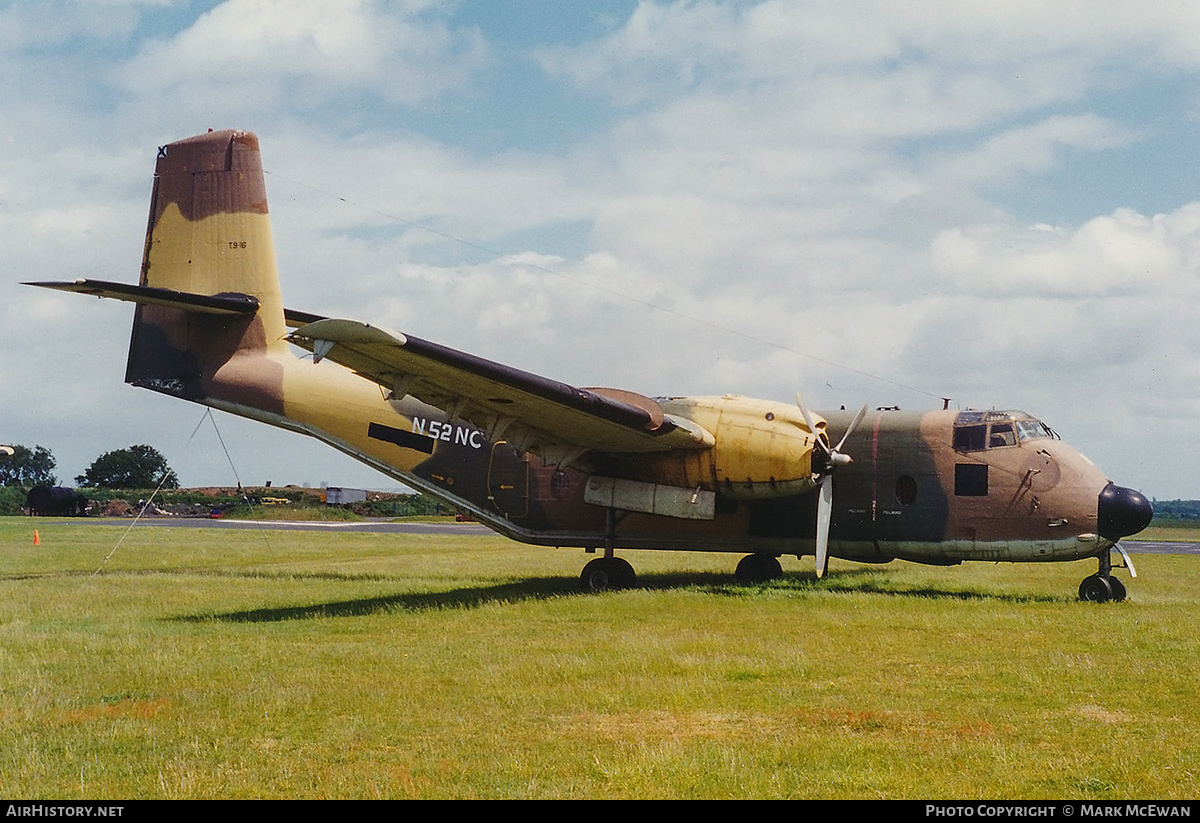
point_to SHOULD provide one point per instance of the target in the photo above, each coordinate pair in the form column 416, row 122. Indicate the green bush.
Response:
column 12, row 501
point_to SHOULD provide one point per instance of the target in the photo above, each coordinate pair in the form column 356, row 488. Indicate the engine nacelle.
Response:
column 763, row 449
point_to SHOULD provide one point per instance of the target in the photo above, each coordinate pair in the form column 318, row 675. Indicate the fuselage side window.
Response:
column 971, row 480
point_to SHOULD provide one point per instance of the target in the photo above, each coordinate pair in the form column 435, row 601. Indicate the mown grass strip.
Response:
column 311, row 664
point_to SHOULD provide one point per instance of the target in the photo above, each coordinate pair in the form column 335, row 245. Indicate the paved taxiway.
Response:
column 380, row 526
column 391, row 527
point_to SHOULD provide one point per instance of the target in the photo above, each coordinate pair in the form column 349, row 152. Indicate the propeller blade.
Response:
column 853, row 425
column 809, row 422
column 824, row 513
column 825, row 481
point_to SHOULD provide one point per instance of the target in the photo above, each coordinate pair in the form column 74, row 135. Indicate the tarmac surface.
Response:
column 383, row 526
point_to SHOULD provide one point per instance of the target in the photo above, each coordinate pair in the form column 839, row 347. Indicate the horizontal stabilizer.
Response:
column 227, row 303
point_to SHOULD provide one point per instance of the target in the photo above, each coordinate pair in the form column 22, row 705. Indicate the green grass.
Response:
column 1186, row 531
column 232, row 664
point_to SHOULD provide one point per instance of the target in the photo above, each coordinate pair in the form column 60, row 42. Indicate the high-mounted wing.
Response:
column 525, row 409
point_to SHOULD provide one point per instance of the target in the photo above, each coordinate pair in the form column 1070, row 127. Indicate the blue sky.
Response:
column 867, row 202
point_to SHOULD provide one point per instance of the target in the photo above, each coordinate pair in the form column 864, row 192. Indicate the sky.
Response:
column 864, row 202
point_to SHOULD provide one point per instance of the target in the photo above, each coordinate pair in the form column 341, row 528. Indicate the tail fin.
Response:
column 209, row 234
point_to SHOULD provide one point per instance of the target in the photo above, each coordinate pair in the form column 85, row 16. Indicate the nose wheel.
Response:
column 1102, row 587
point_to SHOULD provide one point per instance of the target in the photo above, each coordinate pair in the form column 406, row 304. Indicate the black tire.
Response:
column 596, row 576
column 757, row 568
column 1095, row 589
column 1118, row 589
column 626, row 576
column 607, row 574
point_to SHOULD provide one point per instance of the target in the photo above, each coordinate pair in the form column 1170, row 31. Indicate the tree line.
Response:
column 137, row 467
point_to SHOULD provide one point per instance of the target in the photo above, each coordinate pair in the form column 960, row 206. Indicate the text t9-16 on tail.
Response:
column 603, row 469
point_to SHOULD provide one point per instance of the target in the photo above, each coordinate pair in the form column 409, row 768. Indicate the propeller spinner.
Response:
column 834, row 457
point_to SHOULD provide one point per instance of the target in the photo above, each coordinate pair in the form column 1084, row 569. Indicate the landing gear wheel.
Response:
column 1118, row 589
column 758, row 568
column 1097, row 589
column 607, row 574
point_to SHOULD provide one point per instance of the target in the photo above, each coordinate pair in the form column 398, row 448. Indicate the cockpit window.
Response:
column 1033, row 430
column 975, row 438
column 1002, row 434
column 970, row 438
column 976, row 431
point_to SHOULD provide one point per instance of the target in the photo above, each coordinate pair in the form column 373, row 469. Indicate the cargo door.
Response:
column 508, row 481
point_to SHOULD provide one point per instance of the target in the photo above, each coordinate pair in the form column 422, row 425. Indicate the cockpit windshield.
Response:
column 1033, row 430
column 978, row 430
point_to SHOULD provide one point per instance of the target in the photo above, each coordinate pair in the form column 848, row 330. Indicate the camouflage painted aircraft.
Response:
column 602, row 469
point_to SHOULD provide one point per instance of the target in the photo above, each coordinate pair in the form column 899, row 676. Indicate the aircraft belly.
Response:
column 1023, row 551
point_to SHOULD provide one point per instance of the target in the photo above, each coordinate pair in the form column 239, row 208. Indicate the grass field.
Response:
column 232, row 664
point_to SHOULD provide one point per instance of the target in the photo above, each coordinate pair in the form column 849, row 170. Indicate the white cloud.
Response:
column 1030, row 149
column 1120, row 255
column 304, row 53
column 772, row 186
column 31, row 25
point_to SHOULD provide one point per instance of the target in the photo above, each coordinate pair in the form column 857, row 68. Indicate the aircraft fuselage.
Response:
column 932, row 487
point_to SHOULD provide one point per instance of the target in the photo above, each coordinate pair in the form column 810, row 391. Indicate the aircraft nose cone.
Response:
column 1122, row 512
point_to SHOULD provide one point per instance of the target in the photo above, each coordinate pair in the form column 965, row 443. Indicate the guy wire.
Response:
column 146, row 505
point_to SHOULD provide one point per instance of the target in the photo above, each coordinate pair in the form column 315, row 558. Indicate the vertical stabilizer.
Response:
column 209, row 233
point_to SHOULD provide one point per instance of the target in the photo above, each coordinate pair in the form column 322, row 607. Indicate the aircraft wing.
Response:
column 525, row 409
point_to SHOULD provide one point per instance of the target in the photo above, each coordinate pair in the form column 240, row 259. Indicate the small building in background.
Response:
column 337, row 496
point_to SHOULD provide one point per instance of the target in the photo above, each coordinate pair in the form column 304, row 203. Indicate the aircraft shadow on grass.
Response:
column 544, row 588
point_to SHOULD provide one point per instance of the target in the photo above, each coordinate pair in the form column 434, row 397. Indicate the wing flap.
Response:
column 524, row 408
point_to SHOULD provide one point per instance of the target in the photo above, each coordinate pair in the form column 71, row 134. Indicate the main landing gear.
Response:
column 607, row 573
column 758, row 568
column 1102, row 587
column 610, row 572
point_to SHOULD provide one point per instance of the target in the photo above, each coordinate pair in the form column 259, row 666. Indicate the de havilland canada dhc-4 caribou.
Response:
column 602, row 469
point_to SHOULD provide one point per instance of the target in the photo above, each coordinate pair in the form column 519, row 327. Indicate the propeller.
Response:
column 834, row 457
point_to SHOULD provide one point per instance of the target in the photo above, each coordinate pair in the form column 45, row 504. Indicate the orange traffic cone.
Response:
column 37, row 541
